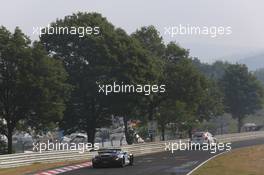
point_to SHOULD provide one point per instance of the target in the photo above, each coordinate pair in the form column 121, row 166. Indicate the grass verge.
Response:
column 244, row 161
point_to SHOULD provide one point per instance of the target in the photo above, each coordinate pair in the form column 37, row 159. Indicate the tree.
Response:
column 213, row 71
column 93, row 60
column 150, row 39
column 188, row 86
column 135, row 67
column 88, row 61
column 243, row 92
column 32, row 85
column 171, row 112
column 190, row 95
column 260, row 75
column 187, row 90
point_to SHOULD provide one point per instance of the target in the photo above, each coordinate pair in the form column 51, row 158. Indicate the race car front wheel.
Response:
column 122, row 164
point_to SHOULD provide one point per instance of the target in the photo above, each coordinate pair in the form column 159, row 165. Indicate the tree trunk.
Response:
column 150, row 117
column 125, row 124
column 163, row 132
column 91, row 124
column 221, row 129
column 190, row 133
column 239, row 124
column 128, row 137
column 9, row 140
column 150, row 112
column 91, row 135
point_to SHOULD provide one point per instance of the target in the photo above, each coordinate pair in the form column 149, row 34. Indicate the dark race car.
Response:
column 112, row 157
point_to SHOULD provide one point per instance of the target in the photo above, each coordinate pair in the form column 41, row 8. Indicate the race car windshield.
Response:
column 198, row 135
column 109, row 151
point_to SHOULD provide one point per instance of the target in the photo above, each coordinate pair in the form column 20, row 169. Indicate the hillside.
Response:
column 254, row 62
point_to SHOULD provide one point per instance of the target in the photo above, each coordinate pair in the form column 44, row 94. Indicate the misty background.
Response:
column 244, row 45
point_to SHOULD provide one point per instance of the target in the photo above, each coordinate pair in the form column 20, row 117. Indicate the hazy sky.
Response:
column 244, row 16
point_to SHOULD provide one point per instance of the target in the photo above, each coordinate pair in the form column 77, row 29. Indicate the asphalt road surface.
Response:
column 164, row 163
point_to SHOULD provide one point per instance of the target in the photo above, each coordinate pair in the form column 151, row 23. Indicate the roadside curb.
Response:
column 64, row 169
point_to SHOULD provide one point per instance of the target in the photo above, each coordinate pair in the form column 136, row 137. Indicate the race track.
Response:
column 164, row 163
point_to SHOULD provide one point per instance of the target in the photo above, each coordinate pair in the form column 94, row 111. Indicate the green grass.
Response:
column 245, row 161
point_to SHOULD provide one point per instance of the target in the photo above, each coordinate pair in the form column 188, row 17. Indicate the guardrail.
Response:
column 21, row 159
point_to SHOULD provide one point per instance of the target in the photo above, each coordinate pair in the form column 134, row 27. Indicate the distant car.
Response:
column 203, row 138
column 112, row 157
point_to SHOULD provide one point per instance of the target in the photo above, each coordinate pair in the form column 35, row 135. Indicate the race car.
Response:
column 112, row 157
column 203, row 138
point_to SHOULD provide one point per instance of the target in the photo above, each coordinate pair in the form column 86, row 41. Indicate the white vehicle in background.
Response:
column 203, row 138
column 75, row 138
column 3, row 138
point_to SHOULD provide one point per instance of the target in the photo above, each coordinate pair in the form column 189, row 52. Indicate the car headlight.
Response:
column 117, row 157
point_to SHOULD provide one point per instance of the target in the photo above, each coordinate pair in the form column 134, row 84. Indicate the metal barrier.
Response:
column 21, row 159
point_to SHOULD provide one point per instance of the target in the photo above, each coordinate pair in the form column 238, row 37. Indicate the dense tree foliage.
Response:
column 187, row 90
column 213, row 71
column 112, row 56
column 32, row 85
column 187, row 86
column 260, row 75
column 243, row 92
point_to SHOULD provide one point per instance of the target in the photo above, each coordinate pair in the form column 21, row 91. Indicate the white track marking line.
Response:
column 206, row 162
